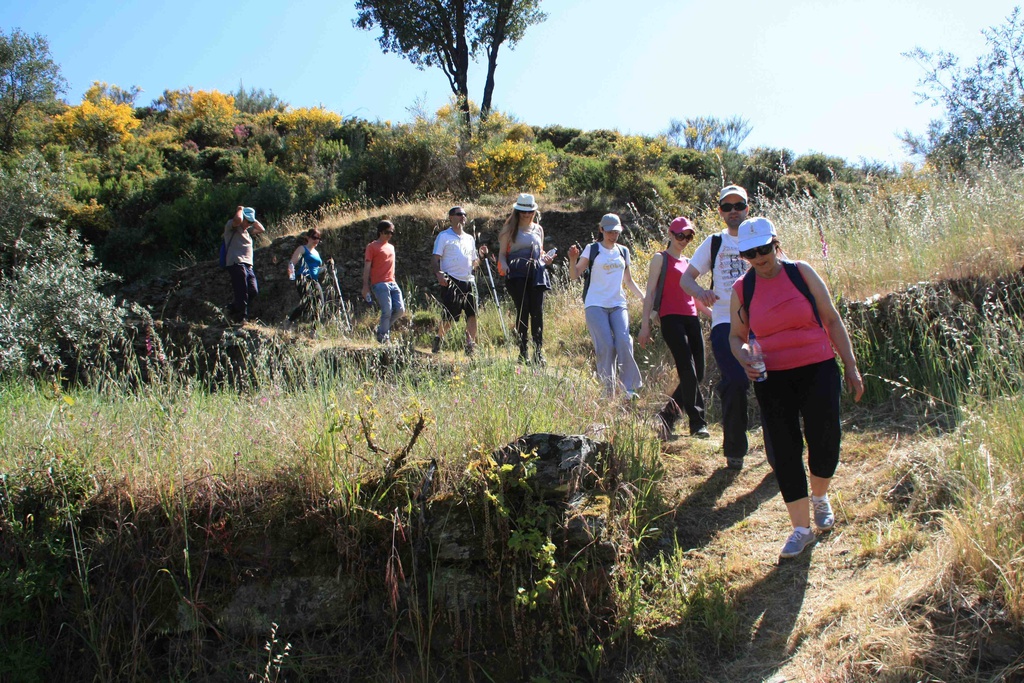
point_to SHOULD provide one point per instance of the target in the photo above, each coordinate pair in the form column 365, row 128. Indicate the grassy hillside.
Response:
column 135, row 517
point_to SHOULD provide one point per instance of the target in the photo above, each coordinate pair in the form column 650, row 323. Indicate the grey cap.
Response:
column 610, row 221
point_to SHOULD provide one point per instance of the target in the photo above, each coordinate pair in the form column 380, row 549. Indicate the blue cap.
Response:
column 249, row 214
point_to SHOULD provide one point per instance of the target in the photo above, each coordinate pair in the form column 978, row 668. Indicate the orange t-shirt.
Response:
column 381, row 258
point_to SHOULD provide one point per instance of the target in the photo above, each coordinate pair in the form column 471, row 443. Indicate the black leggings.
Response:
column 684, row 339
column 311, row 298
column 810, row 392
column 529, row 303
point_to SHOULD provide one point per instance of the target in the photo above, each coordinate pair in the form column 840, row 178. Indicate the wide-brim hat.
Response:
column 755, row 232
column 525, row 202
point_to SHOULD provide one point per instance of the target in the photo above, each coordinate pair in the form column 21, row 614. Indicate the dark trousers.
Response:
column 244, row 288
column 311, row 299
column 684, row 339
column 810, row 393
column 732, row 392
column 529, row 303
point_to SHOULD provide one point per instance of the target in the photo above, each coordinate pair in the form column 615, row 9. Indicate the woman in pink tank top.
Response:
column 680, row 328
column 797, row 327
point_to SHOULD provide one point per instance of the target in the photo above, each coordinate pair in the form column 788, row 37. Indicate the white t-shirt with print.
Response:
column 606, row 273
column 457, row 254
column 728, row 268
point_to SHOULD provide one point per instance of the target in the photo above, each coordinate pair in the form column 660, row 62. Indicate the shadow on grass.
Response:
column 696, row 519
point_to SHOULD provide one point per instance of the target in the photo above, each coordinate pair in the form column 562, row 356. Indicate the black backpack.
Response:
column 592, row 254
column 661, row 283
column 795, row 276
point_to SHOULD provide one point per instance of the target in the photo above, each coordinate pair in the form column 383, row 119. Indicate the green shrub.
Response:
column 559, row 136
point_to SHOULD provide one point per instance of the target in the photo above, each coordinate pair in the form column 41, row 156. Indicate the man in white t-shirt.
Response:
column 455, row 257
column 727, row 268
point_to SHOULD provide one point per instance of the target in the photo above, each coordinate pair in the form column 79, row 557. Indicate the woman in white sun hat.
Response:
column 523, row 262
column 799, row 331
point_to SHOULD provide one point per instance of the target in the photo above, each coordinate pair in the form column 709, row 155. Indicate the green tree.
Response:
column 450, row 33
column 257, row 101
column 984, row 103
column 27, row 76
column 51, row 310
column 705, row 133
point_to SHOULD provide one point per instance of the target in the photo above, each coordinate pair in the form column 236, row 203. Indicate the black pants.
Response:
column 244, row 287
column 684, row 339
column 311, row 298
column 810, row 393
column 529, row 303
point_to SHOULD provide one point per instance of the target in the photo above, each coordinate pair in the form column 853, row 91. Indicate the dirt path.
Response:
column 735, row 523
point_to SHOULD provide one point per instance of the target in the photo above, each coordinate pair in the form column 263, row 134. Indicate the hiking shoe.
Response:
column 538, row 357
column 470, row 348
column 734, row 463
column 797, row 541
column 702, row 433
column 824, row 518
column 435, row 348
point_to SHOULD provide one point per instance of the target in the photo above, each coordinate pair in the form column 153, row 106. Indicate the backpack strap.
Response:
column 795, row 276
column 716, row 246
column 590, row 265
column 661, row 282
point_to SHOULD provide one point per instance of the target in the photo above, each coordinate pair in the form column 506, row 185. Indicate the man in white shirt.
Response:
column 719, row 255
column 455, row 257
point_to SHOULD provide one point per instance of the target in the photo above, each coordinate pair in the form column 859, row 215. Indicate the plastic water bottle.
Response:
column 757, row 359
column 291, row 270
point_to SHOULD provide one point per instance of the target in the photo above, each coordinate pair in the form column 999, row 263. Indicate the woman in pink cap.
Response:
column 680, row 327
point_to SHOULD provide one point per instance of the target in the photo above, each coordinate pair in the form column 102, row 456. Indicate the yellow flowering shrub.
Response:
column 510, row 166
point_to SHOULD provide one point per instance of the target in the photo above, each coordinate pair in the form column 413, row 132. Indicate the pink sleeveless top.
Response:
column 783, row 321
column 674, row 300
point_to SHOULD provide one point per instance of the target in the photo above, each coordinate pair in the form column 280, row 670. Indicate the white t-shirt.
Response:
column 457, row 254
column 606, row 273
column 728, row 268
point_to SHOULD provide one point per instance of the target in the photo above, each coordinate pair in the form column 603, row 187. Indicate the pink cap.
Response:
column 680, row 225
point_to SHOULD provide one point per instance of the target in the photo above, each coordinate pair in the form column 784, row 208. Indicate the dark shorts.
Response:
column 459, row 296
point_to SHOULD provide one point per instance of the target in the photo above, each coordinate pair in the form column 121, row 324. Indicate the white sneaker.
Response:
column 797, row 541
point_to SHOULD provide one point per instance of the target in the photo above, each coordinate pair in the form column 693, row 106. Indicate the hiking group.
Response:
column 797, row 381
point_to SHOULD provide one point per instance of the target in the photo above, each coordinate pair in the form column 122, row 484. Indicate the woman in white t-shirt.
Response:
column 604, row 301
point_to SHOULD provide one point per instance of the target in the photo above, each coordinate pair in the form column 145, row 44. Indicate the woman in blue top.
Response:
column 304, row 267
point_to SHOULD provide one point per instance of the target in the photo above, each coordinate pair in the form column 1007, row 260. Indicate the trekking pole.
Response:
column 341, row 299
column 494, row 293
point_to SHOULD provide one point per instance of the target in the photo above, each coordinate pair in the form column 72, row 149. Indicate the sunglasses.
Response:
column 763, row 250
column 458, row 214
column 727, row 207
column 682, row 236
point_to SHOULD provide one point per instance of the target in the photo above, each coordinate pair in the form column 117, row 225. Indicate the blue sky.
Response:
column 810, row 75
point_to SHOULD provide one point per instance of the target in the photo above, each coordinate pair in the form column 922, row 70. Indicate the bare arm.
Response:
column 653, row 274
column 366, row 278
column 296, row 255
column 627, row 275
column 502, row 250
column 739, row 332
column 837, row 331
column 688, row 282
column 256, row 228
column 435, row 262
column 577, row 266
